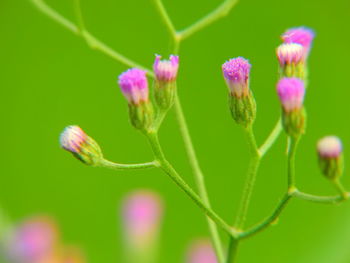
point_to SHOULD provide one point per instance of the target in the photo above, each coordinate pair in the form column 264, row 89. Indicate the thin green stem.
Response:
column 291, row 162
column 118, row 166
column 92, row 40
column 171, row 172
column 165, row 17
column 268, row 221
column 198, row 174
column 221, row 11
column 320, row 199
column 271, row 139
column 340, row 188
column 232, row 250
column 79, row 16
column 251, row 177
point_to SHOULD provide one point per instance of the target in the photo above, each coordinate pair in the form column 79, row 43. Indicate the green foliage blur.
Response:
column 51, row 79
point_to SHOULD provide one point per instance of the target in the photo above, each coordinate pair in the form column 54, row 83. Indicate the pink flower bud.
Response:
column 329, row 147
column 166, row 70
column 201, row 252
column 300, row 35
column 134, row 85
column 290, row 53
column 236, row 73
column 73, row 138
column 142, row 214
column 291, row 92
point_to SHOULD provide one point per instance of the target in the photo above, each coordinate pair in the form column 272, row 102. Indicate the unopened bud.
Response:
column 291, row 93
column 241, row 100
column 134, row 86
column 292, row 60
column 83, row 147
column 165, row 82
column 330, row 155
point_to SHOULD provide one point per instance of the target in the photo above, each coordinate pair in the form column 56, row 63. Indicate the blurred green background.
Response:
column 51, row 79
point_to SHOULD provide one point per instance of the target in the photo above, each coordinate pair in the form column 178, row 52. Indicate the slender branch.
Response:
column 320, row 199
column 165, row 17
column 232, row 250
column 340, row 188
column 250, row 181
column 268, row 221
column 221, row 11
column 118, row 166
column 92, row 40
column 271, row 139
column 79, row 16
column 198, row 174
column 171, row 172
column 291, row 162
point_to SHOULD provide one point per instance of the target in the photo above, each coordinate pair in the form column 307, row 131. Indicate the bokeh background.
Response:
column 51, row 79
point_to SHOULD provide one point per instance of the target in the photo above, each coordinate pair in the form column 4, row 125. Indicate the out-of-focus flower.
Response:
column 33, row 241
column 300, row 35
column 201, row 252
column 291, row 93
column 142, row 214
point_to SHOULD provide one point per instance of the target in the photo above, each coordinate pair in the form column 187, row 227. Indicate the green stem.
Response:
column 232, row 250
column 250, row 181
column 171, row 172
column 319, row 199
column 198, row 174
column 118, row 166
column 93, row 41
column 271, row 139
column 291, row 161
column 268, row 221
column 221, row 11
column 165, row 17
column 79, row 16
column 340, row 188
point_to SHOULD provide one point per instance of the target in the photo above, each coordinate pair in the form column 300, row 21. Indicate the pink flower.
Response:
column 33, row 241
column 329, row 147
column 236, row 73
column 142, row 214
column 134, row 85
column 291, row 92
column 201, row 252
column 300, row 35
column 72, row 139
column 166, row 70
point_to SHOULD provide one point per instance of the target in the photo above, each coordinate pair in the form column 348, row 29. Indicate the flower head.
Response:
column 300, row 35
column 236, row 73
column 72, row 138
column 290, row 53
column 330, row 156
column 134, row 85
column 329, row 147
column 166, row 70
column 201, row 252
column 33, row 241
column 291, row 92
column 142, row 213
column 83, row 147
